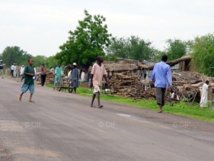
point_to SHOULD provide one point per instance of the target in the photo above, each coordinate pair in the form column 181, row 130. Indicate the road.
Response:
column 62, row 127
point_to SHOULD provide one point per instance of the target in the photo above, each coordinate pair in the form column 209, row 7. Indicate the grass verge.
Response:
column 181, row 108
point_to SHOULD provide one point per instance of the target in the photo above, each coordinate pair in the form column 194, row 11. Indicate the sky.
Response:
column 41, row 26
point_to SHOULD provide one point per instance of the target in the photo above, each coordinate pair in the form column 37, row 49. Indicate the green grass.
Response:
column 50, row 85
column 182, row 108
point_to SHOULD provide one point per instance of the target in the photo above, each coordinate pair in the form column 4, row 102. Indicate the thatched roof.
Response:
column 182, row 59
column 117, row 67
column 129, row 65
column 171, row 63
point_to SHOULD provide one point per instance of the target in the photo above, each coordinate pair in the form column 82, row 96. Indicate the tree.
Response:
column 15, row 55
column 176, row 49
column 39, row 60
column 140, row 49
column 88, row 41
column 157, row 55
column 51, row 62
column 131, row 48
column 119, row 48
column 203, row 54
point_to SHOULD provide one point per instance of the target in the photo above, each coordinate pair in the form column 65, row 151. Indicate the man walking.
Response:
column 74, row 77
column 12, row 67
column 97, row 73
column 43, row 74
column 162, row 76
column 29, row 73
column 1, row 69
column 204, row 95
column 58, row 76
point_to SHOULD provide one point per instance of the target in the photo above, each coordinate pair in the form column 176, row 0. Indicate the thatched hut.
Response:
column 120, row 67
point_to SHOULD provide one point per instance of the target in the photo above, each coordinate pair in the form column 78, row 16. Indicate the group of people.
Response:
column 73, row 76
column 161, row 76
column 17, row 71
column 97, row 73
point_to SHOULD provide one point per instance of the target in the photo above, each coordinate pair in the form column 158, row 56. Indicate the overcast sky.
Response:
column 41, row 26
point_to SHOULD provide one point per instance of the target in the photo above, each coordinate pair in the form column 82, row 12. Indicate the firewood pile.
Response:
column 50, row 77
column 185, row 86
column 128, row 84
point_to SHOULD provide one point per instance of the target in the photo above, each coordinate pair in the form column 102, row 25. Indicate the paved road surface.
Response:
column 62, row 127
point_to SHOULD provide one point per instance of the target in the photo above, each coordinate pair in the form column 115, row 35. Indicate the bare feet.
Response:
column 31, row 101
column 20, row 98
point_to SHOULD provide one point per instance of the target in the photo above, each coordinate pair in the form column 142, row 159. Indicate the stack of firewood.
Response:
column 186, row 86
column 127, row 84
column 50, row 77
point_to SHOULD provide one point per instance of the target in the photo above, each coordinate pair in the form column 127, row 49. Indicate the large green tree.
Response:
column 15, row 55
column 203, row 54
column 119, row 48
column 176, row 49
column 39, row 60
column 89, row 40
column 131, row 48
column 140, row 49
column 51, row 62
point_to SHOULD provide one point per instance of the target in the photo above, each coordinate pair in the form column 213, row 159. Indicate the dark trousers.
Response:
column 43, row 78
column 11, row 72
column 160, row 94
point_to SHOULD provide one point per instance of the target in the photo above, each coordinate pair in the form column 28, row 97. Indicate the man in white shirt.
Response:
column 12, row 70
column 204, row 95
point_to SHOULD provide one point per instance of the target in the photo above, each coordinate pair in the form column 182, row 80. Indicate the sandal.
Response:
column 101, row 106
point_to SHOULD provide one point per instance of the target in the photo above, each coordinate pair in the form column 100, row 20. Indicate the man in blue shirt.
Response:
column 162, row 76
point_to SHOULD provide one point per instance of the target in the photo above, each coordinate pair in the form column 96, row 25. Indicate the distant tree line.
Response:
column 15, row 55
column 91, row 38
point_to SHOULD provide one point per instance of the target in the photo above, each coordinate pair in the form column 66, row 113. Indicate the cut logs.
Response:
column 185, row 86
column 128, row 84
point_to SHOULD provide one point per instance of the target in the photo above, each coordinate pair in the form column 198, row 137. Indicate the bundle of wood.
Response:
column 50, row 77
column 185, row 86
column 128, row 84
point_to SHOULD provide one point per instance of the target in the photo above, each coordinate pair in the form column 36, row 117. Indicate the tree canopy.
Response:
column 176, row 49
column 131, row 48
column 203, row 54
column 39, row 60
column 51, row 62
column 88, row 41
column 14, row 54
